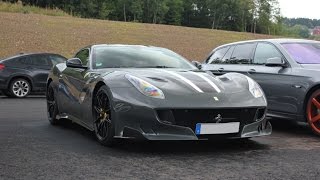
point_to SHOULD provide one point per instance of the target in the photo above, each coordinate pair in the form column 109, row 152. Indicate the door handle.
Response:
column 220, row 69
column 252, row 71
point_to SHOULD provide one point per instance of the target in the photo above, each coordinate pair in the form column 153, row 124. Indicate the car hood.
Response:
column 187, row 81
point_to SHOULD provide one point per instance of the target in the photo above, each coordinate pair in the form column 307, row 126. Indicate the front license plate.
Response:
column 219, row 128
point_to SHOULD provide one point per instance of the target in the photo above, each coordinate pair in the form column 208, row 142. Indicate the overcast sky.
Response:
column 300, row 8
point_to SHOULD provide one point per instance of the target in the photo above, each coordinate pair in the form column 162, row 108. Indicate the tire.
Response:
column 52, row 106
column 6, row 93
column 313, row 112
column 19, row 88
column 102, row 118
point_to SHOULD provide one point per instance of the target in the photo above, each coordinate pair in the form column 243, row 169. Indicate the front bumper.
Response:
column 169, row 132
column 138, row 116
column 144, row 122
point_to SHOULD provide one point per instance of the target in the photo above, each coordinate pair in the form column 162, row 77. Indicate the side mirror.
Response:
column 75, row 63
column 276, row 61
column 197, row 64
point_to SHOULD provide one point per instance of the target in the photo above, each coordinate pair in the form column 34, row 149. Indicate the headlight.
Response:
column 145, row 88
column 254, row 88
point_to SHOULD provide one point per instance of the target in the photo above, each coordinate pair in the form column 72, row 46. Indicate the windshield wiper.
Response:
column 154, row 67
column 139, row 67
column 119, row 67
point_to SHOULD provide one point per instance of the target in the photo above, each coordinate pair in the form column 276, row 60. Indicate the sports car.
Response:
column 134, row 91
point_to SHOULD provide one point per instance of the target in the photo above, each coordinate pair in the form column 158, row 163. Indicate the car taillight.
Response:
column 2, row 66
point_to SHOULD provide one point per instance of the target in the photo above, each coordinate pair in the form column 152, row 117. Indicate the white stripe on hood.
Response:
column 208, row 81
column 183, row 79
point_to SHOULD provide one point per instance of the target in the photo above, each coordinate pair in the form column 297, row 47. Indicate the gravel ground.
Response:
column 30, row 148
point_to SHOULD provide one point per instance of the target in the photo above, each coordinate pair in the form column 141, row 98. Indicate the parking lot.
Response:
column 30, row 148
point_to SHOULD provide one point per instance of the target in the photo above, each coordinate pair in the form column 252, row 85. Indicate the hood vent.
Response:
column 224, row 79
column 157, row 79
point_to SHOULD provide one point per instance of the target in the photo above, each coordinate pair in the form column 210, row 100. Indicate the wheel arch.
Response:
column 20, row 77
column 48, row 82
column 96, row 88
column 306, row 99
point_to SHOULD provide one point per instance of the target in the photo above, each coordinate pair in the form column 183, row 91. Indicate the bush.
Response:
column 19, row 8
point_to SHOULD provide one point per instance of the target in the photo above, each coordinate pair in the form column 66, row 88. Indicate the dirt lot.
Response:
column 65, row 35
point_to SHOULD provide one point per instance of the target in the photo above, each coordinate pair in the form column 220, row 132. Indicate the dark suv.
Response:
column 25, row 73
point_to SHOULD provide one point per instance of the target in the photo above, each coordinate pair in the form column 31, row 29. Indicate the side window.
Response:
column 227, row 56
column 25, row 61
column 40, row 60
column 56, row 60
column 265, row 51
column 242, row 54
column 16, row 62
column 217, row 56
column 83, row 55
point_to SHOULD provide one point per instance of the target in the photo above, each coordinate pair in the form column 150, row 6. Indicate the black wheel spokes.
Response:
column 102, row 114
column 51, row 105
column 51, row 102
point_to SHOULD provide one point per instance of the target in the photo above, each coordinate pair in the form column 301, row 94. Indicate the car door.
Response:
column 236, row 59
column 40, row 67
column 275, row 81
column 73, row 80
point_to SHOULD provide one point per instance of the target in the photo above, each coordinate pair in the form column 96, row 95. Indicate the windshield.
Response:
column 137, row 57
column 304, row 53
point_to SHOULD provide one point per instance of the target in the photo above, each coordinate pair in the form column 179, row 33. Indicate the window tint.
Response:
column 56, row 60
column 227, row 56
column 304, row 53
column 137, row 56
column 217, row 56
column 19, row 61
column 25, row 60
column 265, row 51
column 241, row 54
column 83, row 55
column 40, row 60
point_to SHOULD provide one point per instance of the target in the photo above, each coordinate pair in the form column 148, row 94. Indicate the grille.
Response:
column 190, row 117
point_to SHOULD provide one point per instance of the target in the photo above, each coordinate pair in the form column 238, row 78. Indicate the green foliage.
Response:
column 256, row 16
column 173, row 16
column 310, row 23
column 296, row 31
column 315, row 37
column 105, row 9
column 19, row 8
column 136, row 9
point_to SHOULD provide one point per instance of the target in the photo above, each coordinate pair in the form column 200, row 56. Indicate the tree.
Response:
column 174, row 14
column 136, row 9
column 256, row 16
column 105, row 8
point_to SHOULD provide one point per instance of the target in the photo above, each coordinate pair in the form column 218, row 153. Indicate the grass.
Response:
column 19, row 8
column 65, row 35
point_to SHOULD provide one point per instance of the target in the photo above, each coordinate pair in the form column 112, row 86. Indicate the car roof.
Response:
column 126, row 45
column 27, row 54
column 274, row 41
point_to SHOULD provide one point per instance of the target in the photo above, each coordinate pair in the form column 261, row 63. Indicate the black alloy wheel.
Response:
column 102, row 114
column 52, row 107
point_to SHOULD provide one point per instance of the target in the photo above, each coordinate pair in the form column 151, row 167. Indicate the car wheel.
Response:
column 102, row 114
column 52, row 106
column 19, row 88
column 313, row 112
